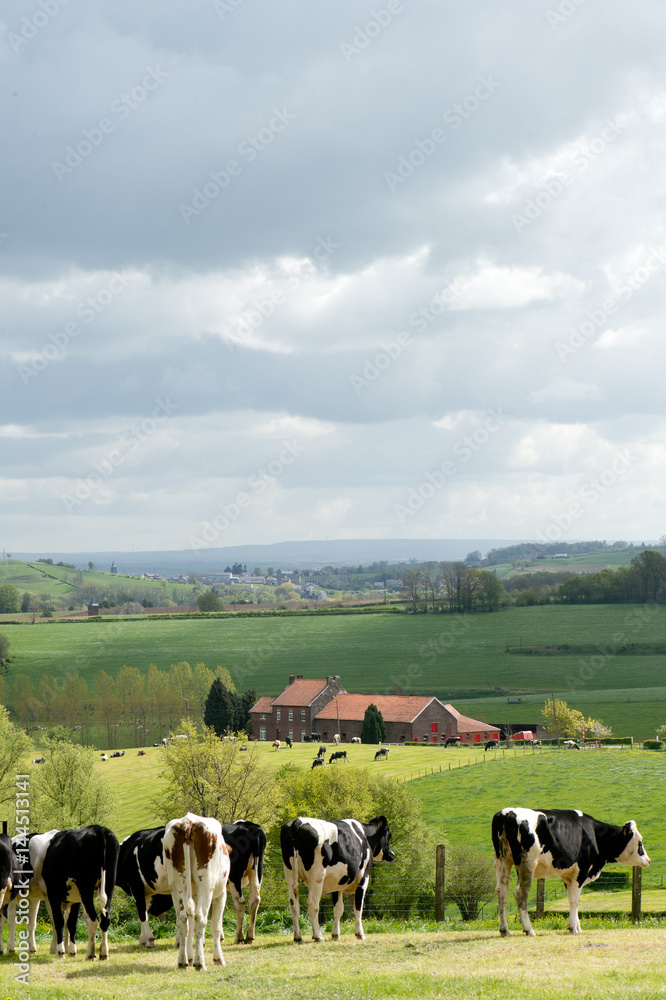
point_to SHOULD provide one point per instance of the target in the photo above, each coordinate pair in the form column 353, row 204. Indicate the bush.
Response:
column 654, row 745
column 470, row 880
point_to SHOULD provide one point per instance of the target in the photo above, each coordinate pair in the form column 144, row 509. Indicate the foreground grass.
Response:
column 475, row 964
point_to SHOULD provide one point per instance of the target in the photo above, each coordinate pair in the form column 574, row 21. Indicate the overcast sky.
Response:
column 289, row 270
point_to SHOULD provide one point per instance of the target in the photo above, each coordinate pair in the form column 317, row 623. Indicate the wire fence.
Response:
column 395, row 893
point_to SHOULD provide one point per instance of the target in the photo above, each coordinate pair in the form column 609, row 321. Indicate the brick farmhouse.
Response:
column 324, row 708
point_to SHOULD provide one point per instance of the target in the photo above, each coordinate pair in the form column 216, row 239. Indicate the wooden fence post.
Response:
column 541, row 899
column 440, row 890
column 636, row 894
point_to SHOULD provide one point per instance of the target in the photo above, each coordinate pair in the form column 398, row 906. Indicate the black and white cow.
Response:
column 338, row 755
column 30, row 850
column 562, row 843
column 356, row 739
column 318, row 762
column 384, row 752
column 571, row 745
column 491, row 745
column 452, row 741
column 79, row 865
column 331, row 857
column 10, row 879
column 289, row 742
column 321, row 752
column 142, row 875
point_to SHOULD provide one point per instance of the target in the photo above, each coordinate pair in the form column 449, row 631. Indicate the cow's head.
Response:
column 379, row 838
column 634, row 853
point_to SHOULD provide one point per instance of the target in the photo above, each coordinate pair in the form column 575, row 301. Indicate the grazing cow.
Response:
column 452, row 741
column 104, row 756
column 197, row 865
column 39, row 760
column 118, row 753
column 142, row 874
column 141, row 753
column 336, row 738
column 557, row 842
column 491, row 745
column 535, row 743
column 318, row 762
column 382, row 753
column 338, row 755
column 331, row 857
column 321, row 752
column 276, row 744
column 289, row 742
column 77, row 866
column 571, row 745
column 243, row 746
column 30, row 850
column 356, row 739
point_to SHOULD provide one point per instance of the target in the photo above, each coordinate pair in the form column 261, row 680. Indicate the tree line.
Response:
column 150, row 704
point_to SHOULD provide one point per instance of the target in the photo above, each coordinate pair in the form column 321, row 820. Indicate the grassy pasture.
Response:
column 457, row 658
column 475, row 964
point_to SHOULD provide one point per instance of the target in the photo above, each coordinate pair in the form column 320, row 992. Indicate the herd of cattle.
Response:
column 191, row 863
column 320, row 759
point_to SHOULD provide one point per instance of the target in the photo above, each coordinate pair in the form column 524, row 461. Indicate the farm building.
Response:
column 322, row 706
column 292, row 713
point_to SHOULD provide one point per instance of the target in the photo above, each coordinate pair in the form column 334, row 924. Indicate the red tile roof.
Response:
column 394, row 708
column 300, row 692
column 263, row 705
column 467, row 725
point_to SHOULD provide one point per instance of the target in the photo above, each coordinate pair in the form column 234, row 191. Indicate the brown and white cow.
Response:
column 197, row 865
column 557, row 842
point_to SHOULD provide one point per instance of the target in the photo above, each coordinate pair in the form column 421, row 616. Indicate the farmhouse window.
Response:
column 262, row 716
column 302, row 715
column 291, row 715
column 262, row 733
column 278, row 714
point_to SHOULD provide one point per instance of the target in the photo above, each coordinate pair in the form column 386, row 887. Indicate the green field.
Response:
column 462, row 659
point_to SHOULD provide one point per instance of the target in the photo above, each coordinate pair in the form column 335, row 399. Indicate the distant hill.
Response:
column 281, row 555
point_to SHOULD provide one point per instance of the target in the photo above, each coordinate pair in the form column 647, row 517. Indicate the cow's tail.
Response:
column 107, row 883
column 190, row 907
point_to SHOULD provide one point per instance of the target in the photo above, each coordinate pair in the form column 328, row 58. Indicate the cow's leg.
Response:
column 11, row 927
column 239, row 907
column 502, row 872
column 199, row 929
column 254, row 900
column 219, row 902
column 521, row 892
column 314, row 902
column 146, row 937
column 91, row 924
column 338, row 910
column 57, row 923
column 179, row 904
column 359, row 896
column 2, row 919
column 32, row 924
column 291, row 878
column 104, row 921
column 573, row 892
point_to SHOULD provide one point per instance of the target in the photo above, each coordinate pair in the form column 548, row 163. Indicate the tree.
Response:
column 220, row 709
column 10, row 599
column 26, row 600
column 4, row 652
column 209, row 601
column 373, row 729
column 14, row 748
column 470, row 880
column 212, row 777
column 68, row 791
column 561, row 719
column 411, row 585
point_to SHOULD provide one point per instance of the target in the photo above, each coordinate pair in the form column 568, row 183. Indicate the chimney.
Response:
column 291, row 678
